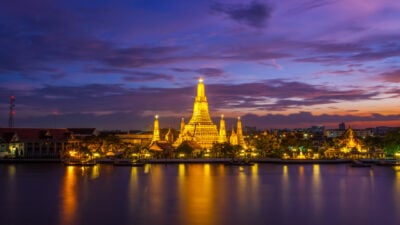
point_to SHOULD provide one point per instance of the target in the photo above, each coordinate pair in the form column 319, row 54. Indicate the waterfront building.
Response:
column 200, row 128
column 362, row 133
column 142, row 138
column 33, row 142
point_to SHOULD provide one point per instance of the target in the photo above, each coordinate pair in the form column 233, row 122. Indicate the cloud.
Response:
column 304, row 6
column 307, row 119
column 132, row 75
column 255, row 14
column 206, row 71
column 391, row 76
column 105, row 103
column 272, row 63
column 280, row 95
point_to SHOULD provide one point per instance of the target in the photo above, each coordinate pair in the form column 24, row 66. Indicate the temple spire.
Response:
column 200, row 107
column 239, row 133
column 182, row 124
column 222, row 132
column 233, row 139
column 200, row 128
column 156, row 131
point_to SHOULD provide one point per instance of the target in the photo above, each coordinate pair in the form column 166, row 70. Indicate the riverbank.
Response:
column 210, row 160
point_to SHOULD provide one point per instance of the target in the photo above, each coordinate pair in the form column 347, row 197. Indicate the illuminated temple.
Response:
column 200, row 128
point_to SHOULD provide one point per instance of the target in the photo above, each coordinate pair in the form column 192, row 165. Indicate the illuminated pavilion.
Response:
column 350, row 142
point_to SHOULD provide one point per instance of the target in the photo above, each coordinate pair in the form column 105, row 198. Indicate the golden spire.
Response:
column 233, row 138
column 182, row 124
column 200, row 127
column 222, row 132
column 169, row 137
column 239, row 133
column 156, row 131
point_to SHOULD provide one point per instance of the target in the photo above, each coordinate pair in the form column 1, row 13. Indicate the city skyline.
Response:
column 115, row 64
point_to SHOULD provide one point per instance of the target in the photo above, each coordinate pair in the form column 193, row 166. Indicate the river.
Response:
column 198, row 194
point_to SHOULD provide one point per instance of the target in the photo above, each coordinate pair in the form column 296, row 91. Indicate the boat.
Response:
column 236, row 162
column 128, row 162
column 388, row 163
column 79, row 162
column 357, row 163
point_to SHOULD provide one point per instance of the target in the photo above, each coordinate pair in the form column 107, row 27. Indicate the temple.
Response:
column 200, row 128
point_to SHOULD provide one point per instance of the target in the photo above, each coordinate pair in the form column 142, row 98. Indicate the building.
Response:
column 33, row 142
column 200, row 128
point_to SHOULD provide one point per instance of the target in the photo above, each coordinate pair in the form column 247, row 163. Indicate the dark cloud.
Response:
column 307, row 119
column 304, row 6
column 254, row 14
column 281, row 95
column 206, row 71
column 132, row 75
column 391, row 76
column 350, row 53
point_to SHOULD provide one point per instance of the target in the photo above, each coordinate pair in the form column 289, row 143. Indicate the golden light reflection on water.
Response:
column 196, row 195
column 95, row 172
column 285, row 178
column 316, row 177
column 316, row 186
column 11, row 171
column 397, row 174
column 69, row 196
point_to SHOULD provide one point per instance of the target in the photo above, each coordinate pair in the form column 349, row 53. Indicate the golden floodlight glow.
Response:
column 156, row 116
column 200, row 80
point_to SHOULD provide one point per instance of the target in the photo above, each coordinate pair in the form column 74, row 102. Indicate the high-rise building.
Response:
column 342, row 126
column 200, row 128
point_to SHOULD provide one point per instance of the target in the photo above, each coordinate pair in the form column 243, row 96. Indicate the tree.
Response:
column 392, row 142
column 268, row 145
column 185, row 148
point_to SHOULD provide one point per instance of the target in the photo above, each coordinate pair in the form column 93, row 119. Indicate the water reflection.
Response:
column 201, row 194
column 69, row 196
column 196, row 195
column 316, row 188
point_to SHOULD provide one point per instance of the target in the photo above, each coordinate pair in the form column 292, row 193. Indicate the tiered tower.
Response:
column 239, row 133
column 156, row 131
column 200, row 127
column 222, row 131
column 233, row 138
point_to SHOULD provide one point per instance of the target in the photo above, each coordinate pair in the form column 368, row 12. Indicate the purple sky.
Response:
column 115, row 64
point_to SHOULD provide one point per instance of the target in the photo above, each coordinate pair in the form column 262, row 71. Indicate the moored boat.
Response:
column 79, row 163
column 238, row 163
column 358, row 163
column 128, row 162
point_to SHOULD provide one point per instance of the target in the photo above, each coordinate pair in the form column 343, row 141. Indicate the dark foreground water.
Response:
column 199, row 194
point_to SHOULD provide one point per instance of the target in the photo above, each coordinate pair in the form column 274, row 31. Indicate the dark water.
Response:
column 199, row 194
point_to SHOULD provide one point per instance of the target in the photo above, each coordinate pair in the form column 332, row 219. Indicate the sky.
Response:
column 114, row 64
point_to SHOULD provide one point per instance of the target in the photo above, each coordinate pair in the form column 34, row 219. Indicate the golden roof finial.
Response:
column 200, row 80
